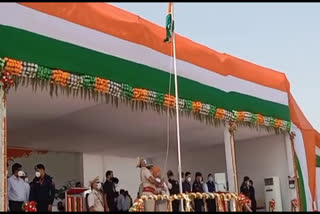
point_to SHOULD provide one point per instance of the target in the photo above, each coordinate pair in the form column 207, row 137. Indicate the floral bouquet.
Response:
column 30, row 206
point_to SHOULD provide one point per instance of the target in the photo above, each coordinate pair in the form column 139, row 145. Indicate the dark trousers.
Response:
column 42, row 206
column 15, row 206
column 198, row 205
column 175, row 205
column 254, row 205
column 211, row 203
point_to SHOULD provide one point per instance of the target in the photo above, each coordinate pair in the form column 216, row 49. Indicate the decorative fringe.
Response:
column 97, row 89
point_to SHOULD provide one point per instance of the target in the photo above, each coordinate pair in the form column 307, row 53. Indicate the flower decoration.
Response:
column 272, row 205
column 11, row 67
column 30, row 206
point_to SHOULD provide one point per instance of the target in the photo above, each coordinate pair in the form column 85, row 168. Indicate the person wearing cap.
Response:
column 96, row 201
column 148, row 183
column 18, row 189
column 42, row 189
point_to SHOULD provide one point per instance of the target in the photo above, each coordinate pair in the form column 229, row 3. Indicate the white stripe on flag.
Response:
column 301, row 155
column 60, row 29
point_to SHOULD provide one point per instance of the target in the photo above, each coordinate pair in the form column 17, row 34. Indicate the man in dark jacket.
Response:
column 109, row 190
column 211, row 189
column 186, row 185
column 244, row 189
column 252, row 197
column 198, row 187
column 174, row 190
column 42, row 189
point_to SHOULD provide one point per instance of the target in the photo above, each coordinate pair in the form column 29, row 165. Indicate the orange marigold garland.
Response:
column 30, row 70
column 60, row 77
column 169, row 101
column 196, row 106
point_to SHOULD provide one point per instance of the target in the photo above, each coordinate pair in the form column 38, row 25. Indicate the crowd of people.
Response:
column 152, row 182
column 104, row 197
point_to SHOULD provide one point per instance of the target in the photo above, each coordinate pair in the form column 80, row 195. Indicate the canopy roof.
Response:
column 101, row 40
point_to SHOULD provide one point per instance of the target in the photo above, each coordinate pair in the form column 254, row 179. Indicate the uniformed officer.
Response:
column 174, row 190
column 198, row 187
column 42, row 189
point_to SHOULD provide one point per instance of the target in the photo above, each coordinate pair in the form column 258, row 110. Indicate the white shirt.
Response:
column 205, row 187
column 121, row 203
column 18, row 189
column 128, row 203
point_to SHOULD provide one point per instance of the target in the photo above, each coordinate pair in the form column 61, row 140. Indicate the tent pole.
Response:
column 3, row 149
column 177, row 107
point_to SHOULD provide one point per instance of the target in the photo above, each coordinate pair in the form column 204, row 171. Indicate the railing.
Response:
column 225, row 202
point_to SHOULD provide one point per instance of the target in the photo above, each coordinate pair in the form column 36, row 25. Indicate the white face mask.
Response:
column 189, row 179
column 115, row 185
column 21, row 173
column 99, row 186
column 26, row 180
column 210, row 179
column 38, row 174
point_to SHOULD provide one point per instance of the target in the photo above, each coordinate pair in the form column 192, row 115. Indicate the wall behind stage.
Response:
column 257, row 158
column 123, row 168
column 61, row 166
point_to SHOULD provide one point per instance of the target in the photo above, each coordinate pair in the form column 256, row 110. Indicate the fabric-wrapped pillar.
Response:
column 293, row 174
column 230, row 157
column 3, row 150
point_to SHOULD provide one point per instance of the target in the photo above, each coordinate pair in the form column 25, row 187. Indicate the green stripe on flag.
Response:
column 302, row 189
column 318, row 162
column 31, row 47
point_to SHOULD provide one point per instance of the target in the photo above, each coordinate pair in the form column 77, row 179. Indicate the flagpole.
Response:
column 177, row 104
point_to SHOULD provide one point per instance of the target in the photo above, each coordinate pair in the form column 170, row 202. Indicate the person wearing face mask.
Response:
column 42, row 189
column 109, row 191
column 18, row 189
column 96, row 202
column 186, row 185
column 197, row 187
column 211, row 203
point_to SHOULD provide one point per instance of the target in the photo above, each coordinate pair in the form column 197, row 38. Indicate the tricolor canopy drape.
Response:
column 103, row 44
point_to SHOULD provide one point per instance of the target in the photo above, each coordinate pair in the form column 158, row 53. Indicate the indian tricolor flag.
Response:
column 169, row 23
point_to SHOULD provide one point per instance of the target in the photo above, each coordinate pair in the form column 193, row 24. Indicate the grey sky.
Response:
column 281, row 36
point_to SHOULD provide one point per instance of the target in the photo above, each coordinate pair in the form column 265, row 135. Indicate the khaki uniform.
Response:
column 95, row 200
column 147, row 187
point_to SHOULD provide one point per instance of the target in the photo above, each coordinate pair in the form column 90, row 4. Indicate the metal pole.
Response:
column 3, row 149
column 177, row 106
